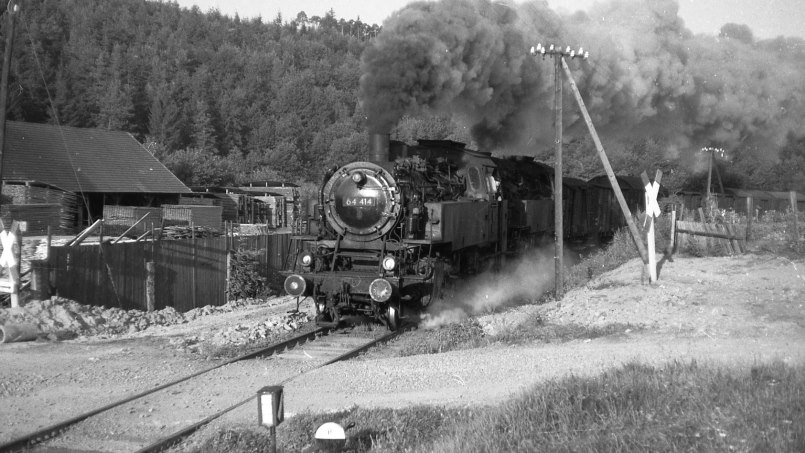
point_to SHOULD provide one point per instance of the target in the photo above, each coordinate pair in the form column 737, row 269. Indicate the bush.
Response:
column 245, row 280
column 619, row 251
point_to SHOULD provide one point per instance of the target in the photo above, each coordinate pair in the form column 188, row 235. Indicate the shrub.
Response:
column 245, row 280
column 620, row 250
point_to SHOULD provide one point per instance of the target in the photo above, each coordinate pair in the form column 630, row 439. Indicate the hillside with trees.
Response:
column 216, row 98
column 222, row 100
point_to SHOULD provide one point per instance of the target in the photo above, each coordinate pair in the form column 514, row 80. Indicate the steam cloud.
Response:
column 647, row 75
column 523, row 281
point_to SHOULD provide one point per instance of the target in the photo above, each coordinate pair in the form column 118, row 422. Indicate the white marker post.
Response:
column 271, row 411
column 8, row 240
column 652, row 210
column 330, row 438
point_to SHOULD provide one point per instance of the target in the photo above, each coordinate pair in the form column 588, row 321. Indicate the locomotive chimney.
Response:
column 379, row 147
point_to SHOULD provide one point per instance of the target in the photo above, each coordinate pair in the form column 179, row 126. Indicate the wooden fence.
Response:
column 729, row 238
column 711, row 238
column 189, row 273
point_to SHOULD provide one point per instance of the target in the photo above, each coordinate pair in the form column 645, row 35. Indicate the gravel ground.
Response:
column 735, row 311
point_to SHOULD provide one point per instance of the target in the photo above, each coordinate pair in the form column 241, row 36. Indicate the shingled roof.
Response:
column 84, row 160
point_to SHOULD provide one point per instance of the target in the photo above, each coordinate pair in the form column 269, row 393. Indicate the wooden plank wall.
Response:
column 275, row 248
column 190, row 273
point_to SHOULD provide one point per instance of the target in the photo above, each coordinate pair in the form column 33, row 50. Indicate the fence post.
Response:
column 195, row 263
column 38, row 279
column 793, row 197
column 228, row 227
column 150, row 269
column 749, row 214
column 672, row 240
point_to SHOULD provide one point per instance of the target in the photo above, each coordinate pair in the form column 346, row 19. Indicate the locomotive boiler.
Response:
column 394, row 230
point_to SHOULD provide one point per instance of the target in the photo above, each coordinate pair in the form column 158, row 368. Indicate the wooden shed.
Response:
column 82, row 170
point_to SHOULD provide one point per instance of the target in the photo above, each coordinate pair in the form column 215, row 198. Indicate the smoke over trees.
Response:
column 648, row 77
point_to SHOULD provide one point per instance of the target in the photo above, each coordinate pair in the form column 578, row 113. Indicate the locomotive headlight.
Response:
column 295, row 285
column 358, row 177
column 380, row 290
column 306, row 259
column 389, row 263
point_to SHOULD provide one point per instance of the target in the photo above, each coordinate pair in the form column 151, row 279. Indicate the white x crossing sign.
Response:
column 652, row 210
column 652, row 207
column 7, row 258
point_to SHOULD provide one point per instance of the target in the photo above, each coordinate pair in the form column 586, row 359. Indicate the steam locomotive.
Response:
column 388, row 234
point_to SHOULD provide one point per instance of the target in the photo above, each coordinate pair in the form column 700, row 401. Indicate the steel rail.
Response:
column 179, row 436
column 44, row 434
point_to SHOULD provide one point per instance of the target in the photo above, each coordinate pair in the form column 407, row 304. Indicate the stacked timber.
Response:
column 203, row 216
column 199, row 201
column 118, row 219
column 186, row 232
column 31, row 193
column 33, row 218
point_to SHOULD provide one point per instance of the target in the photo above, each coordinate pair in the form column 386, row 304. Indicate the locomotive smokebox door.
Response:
column 362, row 201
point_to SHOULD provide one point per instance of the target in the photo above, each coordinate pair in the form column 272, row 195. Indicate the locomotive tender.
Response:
column 391, row 231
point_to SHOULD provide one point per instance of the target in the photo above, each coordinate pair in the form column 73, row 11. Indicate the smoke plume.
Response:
column 647, row 74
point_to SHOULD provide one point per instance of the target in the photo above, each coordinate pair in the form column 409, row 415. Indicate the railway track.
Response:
column 143, row 422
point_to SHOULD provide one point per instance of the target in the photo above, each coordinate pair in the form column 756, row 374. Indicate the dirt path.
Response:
column 733, row 311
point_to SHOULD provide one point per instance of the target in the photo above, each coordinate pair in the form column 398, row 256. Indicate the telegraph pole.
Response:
column 11, row 11
column 558, row 206
column 559, row 55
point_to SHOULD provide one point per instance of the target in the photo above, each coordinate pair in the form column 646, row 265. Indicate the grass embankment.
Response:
column 636, row 408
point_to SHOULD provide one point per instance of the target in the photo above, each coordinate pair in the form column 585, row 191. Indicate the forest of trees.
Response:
column 221, row 100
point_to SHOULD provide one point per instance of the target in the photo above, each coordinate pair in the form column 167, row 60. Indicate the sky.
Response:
column 766, row 18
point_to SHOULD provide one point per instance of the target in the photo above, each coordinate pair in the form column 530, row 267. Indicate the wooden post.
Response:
column 652, row 210
column 38, row 277
column 793, row 198
column 11, row 12
column 558, row 206
column 51, row 273
column 193, row 270
column 641, row 248
column 228, row 233
column 672, row 241
column 718, row 176
column 749, row 215
column 14, row 271
column 150, row 280
column 709, row 176
column 49, row 244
